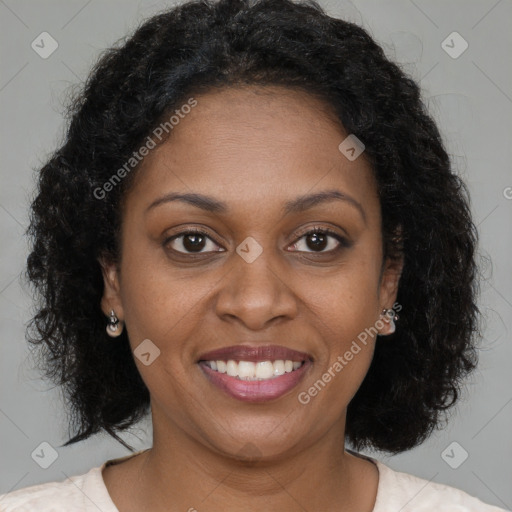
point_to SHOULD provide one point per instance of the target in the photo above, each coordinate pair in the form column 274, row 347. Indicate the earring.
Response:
column 392, row 317
column 114, row 326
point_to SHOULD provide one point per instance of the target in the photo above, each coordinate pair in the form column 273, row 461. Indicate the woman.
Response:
column 248, row 194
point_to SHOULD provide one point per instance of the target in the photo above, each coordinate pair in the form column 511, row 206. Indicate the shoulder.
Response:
column 78, row 493
column 409, row 493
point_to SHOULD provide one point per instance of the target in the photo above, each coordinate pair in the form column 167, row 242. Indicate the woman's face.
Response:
column 256, row 279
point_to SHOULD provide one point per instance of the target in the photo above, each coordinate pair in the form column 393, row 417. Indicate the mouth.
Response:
column 249, row 370
column 255, row 374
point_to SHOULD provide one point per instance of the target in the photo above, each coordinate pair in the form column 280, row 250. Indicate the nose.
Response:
column 256, row 294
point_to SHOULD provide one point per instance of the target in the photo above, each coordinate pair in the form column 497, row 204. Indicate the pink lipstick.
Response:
column 255, row 373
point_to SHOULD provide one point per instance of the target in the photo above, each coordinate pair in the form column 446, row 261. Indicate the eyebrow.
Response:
column 297, row 205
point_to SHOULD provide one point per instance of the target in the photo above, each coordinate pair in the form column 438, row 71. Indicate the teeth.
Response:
column 232, row 368
column 248, row 370
column 264, row 370
column 278, row 367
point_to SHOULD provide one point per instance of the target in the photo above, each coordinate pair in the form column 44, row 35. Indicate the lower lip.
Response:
column 255, row 390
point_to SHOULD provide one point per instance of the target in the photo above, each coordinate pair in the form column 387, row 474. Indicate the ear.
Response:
column 389, row 289
column 392, row 271
column 111, row 299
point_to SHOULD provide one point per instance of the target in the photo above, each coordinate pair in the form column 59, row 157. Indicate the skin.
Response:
column 253, row 148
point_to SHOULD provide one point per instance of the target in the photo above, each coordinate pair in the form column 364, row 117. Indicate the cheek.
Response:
column 156, row 303
column 346, row 308
column 348, row 301
column 164, row 310
column 345, row 317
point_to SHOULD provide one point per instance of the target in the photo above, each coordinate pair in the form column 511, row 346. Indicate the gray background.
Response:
column 470, row 96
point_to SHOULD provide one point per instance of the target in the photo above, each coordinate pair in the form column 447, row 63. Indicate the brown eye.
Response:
column 190, row 242
column 317, row 241
column 194, row 242
column 321, row 241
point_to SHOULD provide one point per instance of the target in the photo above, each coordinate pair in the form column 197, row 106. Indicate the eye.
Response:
column 192, row 241
column 317, row 240
column 320, row 240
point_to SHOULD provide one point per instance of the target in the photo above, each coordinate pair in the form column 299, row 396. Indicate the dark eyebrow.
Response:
column 308, row 201
column 206, row 203
column 300, row 204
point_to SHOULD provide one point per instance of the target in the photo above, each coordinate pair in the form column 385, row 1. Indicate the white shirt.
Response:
column 396, row 492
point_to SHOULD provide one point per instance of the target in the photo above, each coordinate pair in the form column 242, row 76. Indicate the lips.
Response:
column 255, row 354
column 256, row 389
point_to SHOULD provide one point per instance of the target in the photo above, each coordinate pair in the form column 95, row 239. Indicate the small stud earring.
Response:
column 114, row 326
column 392, row 317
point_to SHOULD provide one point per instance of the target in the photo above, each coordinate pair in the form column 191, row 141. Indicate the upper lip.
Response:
column 255, row 354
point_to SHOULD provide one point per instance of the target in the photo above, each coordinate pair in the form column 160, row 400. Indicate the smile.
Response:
column 248, row 370
column 255, row 374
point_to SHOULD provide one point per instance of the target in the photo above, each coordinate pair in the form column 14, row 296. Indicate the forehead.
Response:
column 253, row 143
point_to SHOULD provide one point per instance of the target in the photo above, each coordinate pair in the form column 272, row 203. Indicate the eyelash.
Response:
column 343, row 242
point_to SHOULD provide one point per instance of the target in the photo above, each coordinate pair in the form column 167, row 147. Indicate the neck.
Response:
column 184, row 472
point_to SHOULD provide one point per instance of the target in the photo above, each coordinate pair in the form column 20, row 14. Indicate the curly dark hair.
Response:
column 417, row 374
